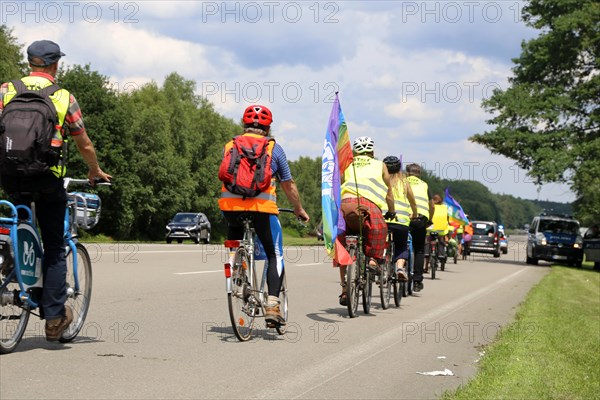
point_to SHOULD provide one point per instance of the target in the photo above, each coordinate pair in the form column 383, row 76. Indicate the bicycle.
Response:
column 245, row 299
column 21, row 265
column 433, row 252
column 388, row 277
column 358, row 276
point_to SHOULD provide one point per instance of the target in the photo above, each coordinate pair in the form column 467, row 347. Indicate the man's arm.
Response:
column 87, row 151
column 389, row 197
column 411, row 199
column 291, row 191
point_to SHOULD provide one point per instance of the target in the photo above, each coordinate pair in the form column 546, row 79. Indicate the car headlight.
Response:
column 541, row 239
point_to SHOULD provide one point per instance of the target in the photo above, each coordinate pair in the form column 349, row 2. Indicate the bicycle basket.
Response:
column 86, row 209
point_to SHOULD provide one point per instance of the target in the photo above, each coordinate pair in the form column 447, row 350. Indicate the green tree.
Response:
column 12, row 65
column 548, row 120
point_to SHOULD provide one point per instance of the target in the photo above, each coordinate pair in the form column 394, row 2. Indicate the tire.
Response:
column 196, row 240
column 179, row 241
column 169, row 241
column 497, row 254
column 504, row 250
column 283, row 305
column 241, row 311
column 385, row 282
column 207, row 240
column 367, row 291
column 13, row 319
column 353, row 283
column 79, row 294
column 455, row 257
column 397, row 289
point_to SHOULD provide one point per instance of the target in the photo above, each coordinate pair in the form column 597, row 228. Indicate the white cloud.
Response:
column 415, row 92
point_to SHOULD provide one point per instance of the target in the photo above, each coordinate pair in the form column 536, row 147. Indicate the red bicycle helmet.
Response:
column 257, row 114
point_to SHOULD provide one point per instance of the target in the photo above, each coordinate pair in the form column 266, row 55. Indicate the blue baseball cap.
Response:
column 45, row 50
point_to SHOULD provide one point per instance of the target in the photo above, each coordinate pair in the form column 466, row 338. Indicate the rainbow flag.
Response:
column 456, row 215
column 337, row 156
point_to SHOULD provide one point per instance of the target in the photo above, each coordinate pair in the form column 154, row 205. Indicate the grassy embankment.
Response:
column 552, row 350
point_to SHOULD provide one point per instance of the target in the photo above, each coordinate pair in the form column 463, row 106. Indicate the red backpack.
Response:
column 246, row 165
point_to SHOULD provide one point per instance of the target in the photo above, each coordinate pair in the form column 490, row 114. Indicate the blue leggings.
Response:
column 268, row 230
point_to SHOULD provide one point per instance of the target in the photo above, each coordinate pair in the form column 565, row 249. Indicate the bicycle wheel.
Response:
column 13, row 317
column 283, row 304
column 433, row 265
column 78, row 296
column 367, row 289
column 385, row 282
column 241, row 310
column 352, row 282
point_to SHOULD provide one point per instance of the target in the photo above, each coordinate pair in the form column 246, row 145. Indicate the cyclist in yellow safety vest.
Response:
column 366, row 190
column 440, row 225
column 459, row 236
column 47, row 188
column 419, row 224
column 406, row 209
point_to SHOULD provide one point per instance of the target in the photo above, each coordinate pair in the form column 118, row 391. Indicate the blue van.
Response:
column 554, row 238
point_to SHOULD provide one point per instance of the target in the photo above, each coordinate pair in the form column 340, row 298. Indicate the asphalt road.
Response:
column 159, row 327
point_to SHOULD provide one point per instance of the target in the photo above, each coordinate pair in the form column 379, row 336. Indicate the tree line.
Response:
column 163, row 145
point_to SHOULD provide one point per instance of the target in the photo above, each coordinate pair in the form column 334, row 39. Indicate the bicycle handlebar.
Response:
column 85, row 182
column 289, row 210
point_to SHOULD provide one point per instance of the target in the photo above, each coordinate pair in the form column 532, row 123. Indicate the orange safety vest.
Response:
column 265, row 202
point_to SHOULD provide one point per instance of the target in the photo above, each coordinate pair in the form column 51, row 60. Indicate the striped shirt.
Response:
column 73, row 119
column 279, row 164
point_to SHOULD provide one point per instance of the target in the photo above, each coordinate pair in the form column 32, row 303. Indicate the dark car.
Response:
column 486, row 238
column 554, row 238
column 194, row 226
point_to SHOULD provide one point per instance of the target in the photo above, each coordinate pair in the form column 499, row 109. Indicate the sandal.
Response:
column 344, row 299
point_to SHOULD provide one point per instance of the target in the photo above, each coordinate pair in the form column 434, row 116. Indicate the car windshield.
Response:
column 483, row 229
column 559, row 226
column 185, row 218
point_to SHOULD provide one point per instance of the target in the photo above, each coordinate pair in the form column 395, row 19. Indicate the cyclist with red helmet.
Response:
column 257, row 121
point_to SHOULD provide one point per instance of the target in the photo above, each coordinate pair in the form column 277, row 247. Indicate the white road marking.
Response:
column 196, row 272
column 308, row 265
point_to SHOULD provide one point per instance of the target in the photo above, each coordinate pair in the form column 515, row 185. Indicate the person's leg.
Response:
column 268, row 230
column 418, row 232
column 50, row 213
column 375, row 232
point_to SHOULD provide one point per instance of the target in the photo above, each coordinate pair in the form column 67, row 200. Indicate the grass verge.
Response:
column 552, row 349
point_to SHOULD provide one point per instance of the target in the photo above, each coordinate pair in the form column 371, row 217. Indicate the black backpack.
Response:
column 27, row 127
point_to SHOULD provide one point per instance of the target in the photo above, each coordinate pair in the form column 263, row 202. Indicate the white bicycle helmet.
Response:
column 363, row 144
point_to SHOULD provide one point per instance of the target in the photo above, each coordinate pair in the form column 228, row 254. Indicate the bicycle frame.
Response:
column 14, row 222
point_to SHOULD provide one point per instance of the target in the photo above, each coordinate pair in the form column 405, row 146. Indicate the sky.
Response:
column 410, row 74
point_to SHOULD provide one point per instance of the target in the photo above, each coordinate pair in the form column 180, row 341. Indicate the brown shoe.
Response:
column 56, row 327
column 273, row 315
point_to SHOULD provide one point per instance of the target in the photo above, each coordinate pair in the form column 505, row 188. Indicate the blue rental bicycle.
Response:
column 21, row 255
